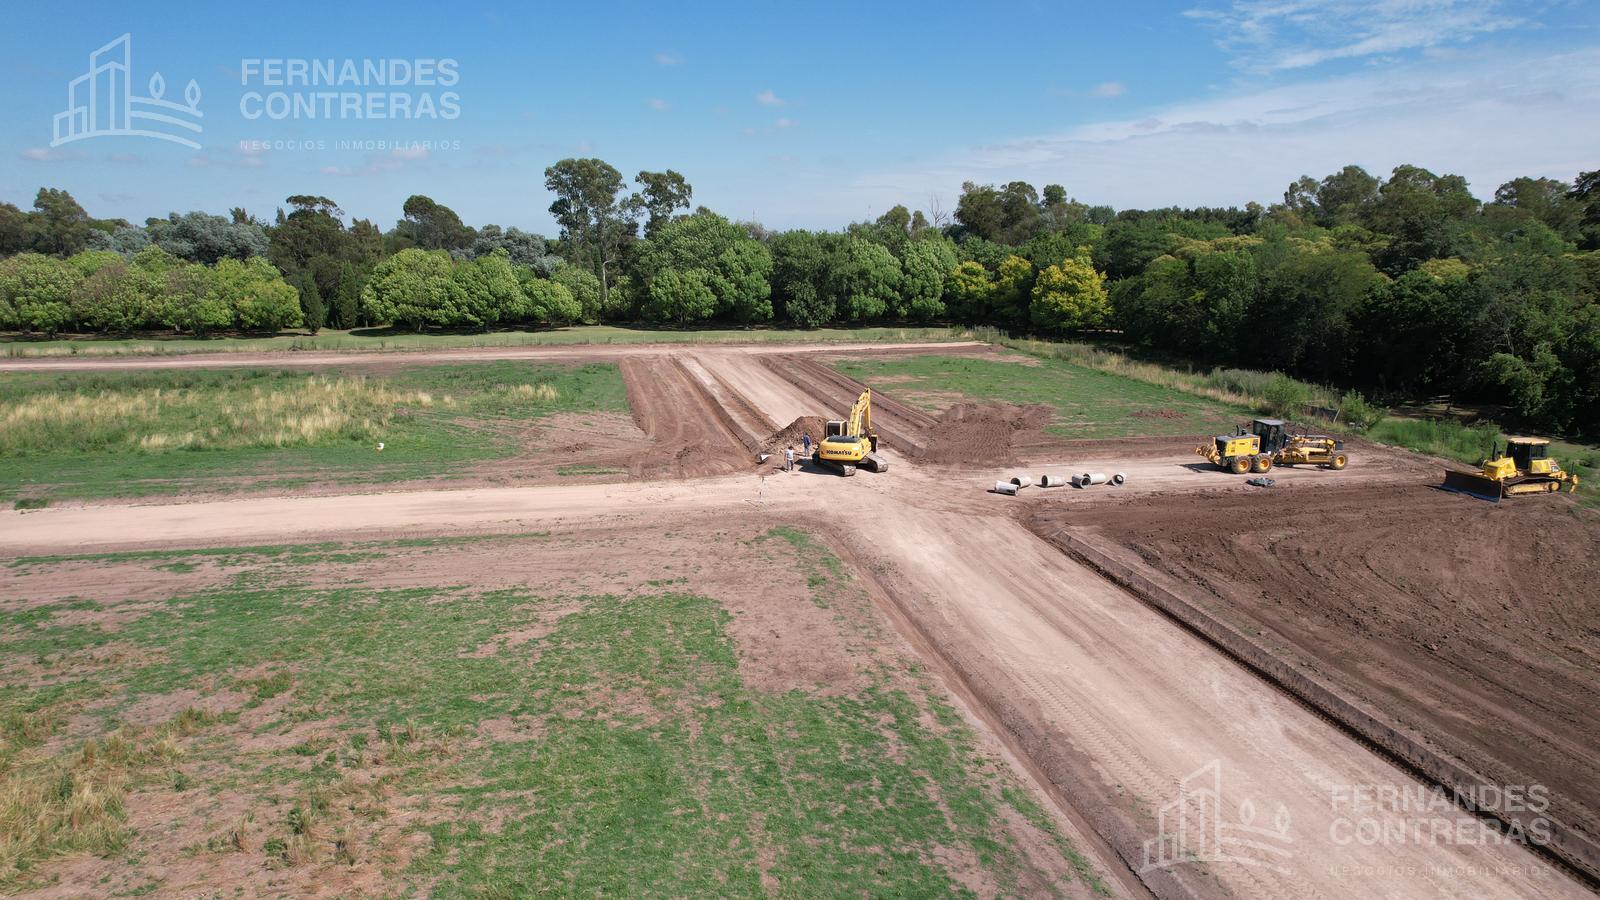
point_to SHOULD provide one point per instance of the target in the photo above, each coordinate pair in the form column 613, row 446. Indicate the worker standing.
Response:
column 788, row 458
column 805, row 444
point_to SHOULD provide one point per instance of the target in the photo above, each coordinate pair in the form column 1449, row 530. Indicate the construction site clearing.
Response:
column 1159, row 650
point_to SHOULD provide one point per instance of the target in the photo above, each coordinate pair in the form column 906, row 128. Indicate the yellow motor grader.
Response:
column 1267, row 443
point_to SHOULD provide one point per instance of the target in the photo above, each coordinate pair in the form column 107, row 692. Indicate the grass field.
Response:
column 126, row 434
column 375, row 339
column 1088, row 403
column 455, row 739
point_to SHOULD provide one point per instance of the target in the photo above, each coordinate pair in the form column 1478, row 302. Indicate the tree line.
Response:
column 1402, row 286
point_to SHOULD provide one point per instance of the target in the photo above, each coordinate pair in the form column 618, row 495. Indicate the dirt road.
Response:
column 1199, row 776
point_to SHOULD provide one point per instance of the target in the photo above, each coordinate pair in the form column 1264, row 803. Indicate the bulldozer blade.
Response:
column 1473, row 484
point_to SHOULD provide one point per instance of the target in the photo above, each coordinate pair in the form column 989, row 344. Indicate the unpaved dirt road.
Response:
column 1200, row 778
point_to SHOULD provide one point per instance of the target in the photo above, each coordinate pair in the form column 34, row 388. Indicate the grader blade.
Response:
column 1473, row 484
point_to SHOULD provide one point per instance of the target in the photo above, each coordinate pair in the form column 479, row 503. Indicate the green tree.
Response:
column 431, row 226
column 483, row 292
column 547, row 301
column 596, row 218
column 59, row 226
column 38, row 290
column 1013, row 285
column 1070, row 295
column 661, row 195
column 867, row 279
column 585, row 290
column 928, row 263
column 259, row 297
column 313, row 312
column 744, row 282
column 681, row 297
column 970, row 292
column 411, row 288
column 802, row 266
column 191, row 302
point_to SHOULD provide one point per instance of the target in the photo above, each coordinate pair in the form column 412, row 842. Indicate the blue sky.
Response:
column 814, row 115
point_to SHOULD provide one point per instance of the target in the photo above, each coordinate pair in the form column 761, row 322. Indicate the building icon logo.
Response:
column 101, row 103
column 1194, row 828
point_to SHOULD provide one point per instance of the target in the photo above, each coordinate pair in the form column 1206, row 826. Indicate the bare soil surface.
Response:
column 1124, row 719
column 1473, row 623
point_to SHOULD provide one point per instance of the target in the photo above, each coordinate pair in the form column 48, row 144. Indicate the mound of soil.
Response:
column 791, row 434
column 1474, row 623
column 974, row 434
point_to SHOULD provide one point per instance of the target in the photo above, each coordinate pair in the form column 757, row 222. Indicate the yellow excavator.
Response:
column 851, row 443
column 1524, row 468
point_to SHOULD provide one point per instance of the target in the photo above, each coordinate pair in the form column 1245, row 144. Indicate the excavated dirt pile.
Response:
column 1476, row 624
column 791, row 434
column 974, row 434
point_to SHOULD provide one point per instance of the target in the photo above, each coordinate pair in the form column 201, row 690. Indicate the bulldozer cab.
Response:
column 1530, row 455
column 1274, row 433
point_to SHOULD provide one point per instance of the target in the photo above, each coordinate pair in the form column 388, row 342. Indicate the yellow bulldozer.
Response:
column 850, row 442
column 1267, row 443
column 1525, row 467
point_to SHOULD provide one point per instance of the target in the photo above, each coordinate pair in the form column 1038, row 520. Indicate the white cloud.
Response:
column 768, row 98
column 1274, row 35
column 51, row 154
column 1489, row 119
column 668, row 59
column 783, row 123
column 1110, row 89
column 378, row 164
column 658, row 104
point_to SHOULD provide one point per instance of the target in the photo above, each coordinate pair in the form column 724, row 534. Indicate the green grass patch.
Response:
column 565, row 471
column 648, row 765
column 384, row 340
column 90, row 435
column 1087, row 403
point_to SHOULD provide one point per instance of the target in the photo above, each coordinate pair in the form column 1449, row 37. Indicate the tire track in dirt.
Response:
column 902, row 427
column 691, row 435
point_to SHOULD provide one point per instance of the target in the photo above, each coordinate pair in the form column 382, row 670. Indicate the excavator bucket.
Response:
column 1474, row 484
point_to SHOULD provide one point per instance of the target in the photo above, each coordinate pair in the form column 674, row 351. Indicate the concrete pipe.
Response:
column 1089, row 478
column 1118, row 478
column 1052, row 480
column 1021, row 481
column 1005, row 487
column 1077, row 481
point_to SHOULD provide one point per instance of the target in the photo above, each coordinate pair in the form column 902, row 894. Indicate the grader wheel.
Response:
column 1338, row 461
column 1239, row 465
column 1263, row 464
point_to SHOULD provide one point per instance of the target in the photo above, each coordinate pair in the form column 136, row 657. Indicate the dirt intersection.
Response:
column 1143, row 736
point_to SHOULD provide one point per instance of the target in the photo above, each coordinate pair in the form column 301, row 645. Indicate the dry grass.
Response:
column 295, row 414
column 54, row 806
